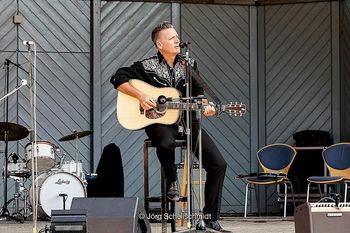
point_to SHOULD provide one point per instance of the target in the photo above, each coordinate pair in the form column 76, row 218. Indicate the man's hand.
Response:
column 209, row 110
column 147, row 102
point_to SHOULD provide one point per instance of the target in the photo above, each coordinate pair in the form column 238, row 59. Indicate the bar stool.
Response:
column 165, row 208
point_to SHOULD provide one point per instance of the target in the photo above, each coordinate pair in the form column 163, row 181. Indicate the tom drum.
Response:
column 44, row 154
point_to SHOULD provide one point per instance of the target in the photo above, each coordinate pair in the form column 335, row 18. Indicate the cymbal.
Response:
column 75, row 135
column 15, row 131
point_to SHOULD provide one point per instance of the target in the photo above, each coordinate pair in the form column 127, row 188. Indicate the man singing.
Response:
column 167, row 69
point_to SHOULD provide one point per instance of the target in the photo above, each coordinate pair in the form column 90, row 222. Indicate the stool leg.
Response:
column 145, row 177
column 173, row 216
column 163, row 201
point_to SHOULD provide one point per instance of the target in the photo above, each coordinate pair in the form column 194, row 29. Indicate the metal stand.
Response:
column 5, row 215
column 17, row 215
column 200, row 225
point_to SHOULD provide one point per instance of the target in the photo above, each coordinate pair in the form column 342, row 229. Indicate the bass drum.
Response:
column 52, row 187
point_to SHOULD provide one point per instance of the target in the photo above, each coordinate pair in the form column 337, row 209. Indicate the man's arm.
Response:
column 146, row 101
column 120, row 81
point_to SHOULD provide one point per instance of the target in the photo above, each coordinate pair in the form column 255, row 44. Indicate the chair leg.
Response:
column 246, row 199
column 285, row 201
column 320, row 190
column 308, row 192
column 345, row 192
column 292, row 192
column 257, row 198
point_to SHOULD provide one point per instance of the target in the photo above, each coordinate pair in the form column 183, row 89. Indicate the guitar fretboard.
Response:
column 182, row 106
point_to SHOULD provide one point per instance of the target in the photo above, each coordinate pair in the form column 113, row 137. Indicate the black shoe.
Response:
column 215, row 225
column 173, row 193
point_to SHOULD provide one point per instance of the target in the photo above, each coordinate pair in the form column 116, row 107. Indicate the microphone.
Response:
column 24, row 82
column 184, row 44
column 28, row 43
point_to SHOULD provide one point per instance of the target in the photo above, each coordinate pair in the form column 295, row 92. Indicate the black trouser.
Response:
column 164, row 136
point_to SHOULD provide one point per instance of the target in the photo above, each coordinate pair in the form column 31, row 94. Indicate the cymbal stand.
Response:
column 5, row 215
column 76, row 156
column 18, row 186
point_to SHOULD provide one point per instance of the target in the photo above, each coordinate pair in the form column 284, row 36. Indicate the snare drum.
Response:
column 44, row 154
column 18, row 169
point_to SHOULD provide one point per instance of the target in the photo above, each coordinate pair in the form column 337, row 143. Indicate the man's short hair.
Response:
column 160, row 27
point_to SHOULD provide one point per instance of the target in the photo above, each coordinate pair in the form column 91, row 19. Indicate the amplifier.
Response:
column 322, row 218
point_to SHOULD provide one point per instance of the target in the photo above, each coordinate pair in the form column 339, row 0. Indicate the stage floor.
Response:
column 236, row 225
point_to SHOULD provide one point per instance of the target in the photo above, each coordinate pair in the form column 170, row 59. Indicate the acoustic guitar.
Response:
column 169, row 106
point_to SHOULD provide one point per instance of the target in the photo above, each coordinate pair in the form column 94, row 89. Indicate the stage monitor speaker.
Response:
column 322, row 218
column 68, row 221
column 113, row 215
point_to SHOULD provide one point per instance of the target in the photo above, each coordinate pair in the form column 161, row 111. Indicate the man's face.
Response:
column 168, row 42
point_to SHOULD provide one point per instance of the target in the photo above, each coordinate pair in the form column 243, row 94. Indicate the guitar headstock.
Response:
column 234, row 108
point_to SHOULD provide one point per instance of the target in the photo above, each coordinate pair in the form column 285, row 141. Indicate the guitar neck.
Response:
column 182, row 106
column 237, row 109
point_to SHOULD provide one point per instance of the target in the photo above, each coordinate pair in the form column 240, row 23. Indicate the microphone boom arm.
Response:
column 23, row 83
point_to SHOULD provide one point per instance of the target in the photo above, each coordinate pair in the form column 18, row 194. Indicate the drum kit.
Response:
column 57, row 181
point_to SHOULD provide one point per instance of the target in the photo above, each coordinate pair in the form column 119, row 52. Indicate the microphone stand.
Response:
column 200, row 226
column 189, row 138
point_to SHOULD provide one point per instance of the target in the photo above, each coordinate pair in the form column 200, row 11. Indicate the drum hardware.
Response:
column 74, row 136
column 9, row 132
column 14, row 157
column 26, row 206
column 19, row 189
column 61, row 160
column 64, row 197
